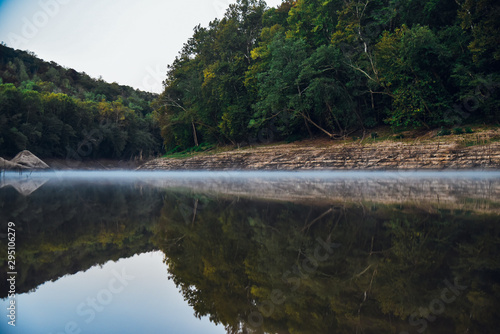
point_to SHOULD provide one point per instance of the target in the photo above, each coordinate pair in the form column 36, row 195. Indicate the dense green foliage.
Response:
column 332, row 67
column 262, row 267
column 57, row 112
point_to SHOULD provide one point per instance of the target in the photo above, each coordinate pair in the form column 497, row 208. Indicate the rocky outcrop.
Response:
column 7, row 165
column 24, row 160
column 382, row 156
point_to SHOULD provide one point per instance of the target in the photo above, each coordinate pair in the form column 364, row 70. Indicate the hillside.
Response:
column 57, row 112
column 306, row 69
column 24, row 69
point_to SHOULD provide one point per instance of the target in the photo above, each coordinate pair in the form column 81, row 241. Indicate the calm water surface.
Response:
column 252, row 252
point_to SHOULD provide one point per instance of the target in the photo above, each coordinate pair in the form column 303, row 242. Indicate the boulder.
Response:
column 6, row 164
column 23, row 160
column 29, row 160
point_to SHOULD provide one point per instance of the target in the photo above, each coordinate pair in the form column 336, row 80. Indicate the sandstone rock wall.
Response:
column 337, row 157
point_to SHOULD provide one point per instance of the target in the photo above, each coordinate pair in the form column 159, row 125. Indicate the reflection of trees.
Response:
column 237, row 261
column 64, row 229
column 261, row 266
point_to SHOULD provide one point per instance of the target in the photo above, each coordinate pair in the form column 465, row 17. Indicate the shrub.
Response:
column 458, row 131
column 444, row 132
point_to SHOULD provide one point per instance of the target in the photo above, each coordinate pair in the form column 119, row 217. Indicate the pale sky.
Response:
column 126, row 41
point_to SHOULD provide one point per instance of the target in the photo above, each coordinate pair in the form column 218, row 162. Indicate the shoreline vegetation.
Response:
column 408, row 150
column 339, row 84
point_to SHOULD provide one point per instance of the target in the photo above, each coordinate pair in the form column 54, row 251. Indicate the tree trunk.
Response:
column 336, row 119
column 194, row 133
column 307, row 126
column 308, row 119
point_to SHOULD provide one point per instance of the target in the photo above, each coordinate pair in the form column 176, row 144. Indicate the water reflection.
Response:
column 24, row 186
column 281, row 252
column 132, row 295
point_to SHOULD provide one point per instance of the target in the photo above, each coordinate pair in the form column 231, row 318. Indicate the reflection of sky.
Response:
column 150, row 303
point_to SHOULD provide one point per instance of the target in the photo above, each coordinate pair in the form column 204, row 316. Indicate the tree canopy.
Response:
column 328, row 68
column 57, row 112
column 306, row 68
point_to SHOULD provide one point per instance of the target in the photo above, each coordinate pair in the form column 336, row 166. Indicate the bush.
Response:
column 468, row 130
column 444, row 132
column 374, row 135
column 293, row 137
column 458, row 131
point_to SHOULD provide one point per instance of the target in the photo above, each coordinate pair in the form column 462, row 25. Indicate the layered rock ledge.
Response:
column 374, row 156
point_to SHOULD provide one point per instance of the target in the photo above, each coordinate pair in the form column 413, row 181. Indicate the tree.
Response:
column 280, row 92
column 313, row 21
column 412, row 64
column 327, row 78
column 482, row 19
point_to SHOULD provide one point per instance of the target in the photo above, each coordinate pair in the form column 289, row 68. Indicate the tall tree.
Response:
column 412, row 63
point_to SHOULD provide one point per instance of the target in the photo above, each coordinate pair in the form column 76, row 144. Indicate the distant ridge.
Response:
column 57, row 112
column 17, row 66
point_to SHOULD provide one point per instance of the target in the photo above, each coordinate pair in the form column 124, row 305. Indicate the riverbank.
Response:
column 480, row 150
column 407, row 151
column 99, row 164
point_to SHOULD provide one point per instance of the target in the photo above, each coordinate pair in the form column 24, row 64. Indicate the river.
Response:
column 254, row 252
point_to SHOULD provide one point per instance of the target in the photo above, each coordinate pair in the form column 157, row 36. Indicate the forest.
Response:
column 330, row 68
column 56, row 112
column 308, row 68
